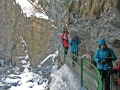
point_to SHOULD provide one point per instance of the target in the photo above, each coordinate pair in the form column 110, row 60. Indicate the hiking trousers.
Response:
column 74, row 56
column 106, row 78
column 65, row 50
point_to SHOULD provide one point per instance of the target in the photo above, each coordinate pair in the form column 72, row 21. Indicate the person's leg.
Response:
column 73, row 58
column 102, row 74
column 66, row 50
column 107, row 81
column 76, row 55
column 73, row 55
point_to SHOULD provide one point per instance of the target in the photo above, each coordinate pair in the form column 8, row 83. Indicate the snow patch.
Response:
column 29, row 10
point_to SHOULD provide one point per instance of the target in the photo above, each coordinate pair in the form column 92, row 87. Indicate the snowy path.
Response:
column 77, row 71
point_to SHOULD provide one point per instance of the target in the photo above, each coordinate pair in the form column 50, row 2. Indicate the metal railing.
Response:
column 88, row 82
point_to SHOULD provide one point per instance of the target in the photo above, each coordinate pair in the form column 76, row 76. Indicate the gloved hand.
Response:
column 113, row 71
column 99, row 61
column 102, row 61
column 108, row 59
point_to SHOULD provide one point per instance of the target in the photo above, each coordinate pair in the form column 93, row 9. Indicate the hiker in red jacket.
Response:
column 65, row 40
column 115, row 70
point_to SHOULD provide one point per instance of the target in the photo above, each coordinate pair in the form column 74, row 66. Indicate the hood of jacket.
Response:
column 100, row 42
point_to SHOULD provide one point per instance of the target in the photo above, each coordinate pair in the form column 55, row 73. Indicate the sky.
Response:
column 62, row 79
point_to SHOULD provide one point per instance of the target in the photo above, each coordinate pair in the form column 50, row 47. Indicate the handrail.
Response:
column 98, row 75
column 98, row 82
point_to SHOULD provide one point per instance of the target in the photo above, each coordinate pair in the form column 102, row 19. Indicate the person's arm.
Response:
column 78, row 41
column 117, row 67
column 96, row 56
column 70, row 43
column 115, row 70
column 113, row 56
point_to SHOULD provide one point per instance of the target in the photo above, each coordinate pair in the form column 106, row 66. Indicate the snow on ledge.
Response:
column 29, row 10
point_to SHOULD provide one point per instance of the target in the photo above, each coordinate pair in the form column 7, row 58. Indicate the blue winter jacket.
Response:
column 74, row 45
column 101, row 54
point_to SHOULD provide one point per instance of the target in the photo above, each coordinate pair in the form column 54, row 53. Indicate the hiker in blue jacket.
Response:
column 74, row 48
column 104, row 57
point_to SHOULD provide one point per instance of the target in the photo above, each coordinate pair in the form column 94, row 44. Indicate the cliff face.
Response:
column 96, row 7
column 91, row 20
column 21, row 36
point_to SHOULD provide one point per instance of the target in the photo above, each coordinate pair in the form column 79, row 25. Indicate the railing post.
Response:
column 81, row 72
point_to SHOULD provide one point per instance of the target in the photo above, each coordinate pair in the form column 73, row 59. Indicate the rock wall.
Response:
column 91, row 20
column 21, row 36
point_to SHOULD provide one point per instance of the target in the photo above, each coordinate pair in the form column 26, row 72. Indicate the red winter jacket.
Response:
column 65, row 40
column 117, row 67
column 66, row 43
